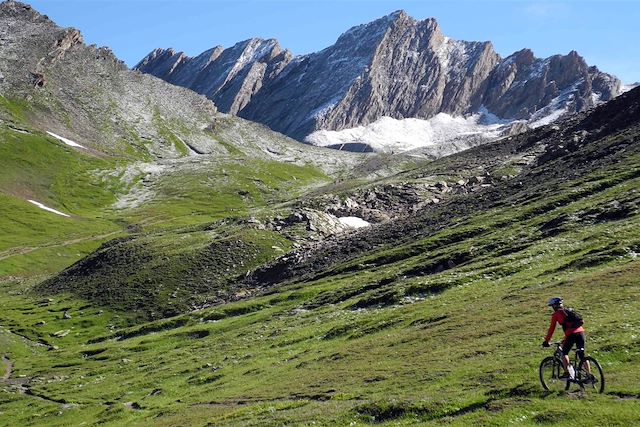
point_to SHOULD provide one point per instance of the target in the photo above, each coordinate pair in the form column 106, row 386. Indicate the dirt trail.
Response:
column 21, row 385
column 26, row 249
column 9, row 368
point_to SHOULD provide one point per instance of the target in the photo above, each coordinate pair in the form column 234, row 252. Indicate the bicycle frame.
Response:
column 582, row 377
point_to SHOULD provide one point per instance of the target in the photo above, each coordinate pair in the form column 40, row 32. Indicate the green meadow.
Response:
column 439, row 327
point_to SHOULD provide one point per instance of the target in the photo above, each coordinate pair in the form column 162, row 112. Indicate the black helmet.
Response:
column 554, row 301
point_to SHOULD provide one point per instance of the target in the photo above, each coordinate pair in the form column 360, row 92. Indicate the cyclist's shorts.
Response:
column 577, row 339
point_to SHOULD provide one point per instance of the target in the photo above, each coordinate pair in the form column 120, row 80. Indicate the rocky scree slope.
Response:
column 542, row 166
column 539, row 163
column 86, row 94
column 394, row 66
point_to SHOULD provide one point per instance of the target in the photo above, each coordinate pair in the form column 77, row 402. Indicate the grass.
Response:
column 457, row 345
column 441, row 328
column 39, row 168
column 246, row 368
column 166, row 274
column 34, row 242
column 231, row 189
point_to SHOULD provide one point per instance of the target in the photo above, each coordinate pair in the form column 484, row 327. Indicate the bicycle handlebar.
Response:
column 554, row 344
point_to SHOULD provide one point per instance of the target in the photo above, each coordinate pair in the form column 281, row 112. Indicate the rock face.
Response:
column 229, row 76
column 522, row 85
column 394, row 66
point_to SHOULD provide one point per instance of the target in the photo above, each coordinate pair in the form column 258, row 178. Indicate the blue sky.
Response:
column 604, row 32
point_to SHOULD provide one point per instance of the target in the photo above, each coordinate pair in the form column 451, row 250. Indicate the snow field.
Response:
column 393, row 135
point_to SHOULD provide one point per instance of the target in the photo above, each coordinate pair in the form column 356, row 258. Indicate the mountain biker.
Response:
column 573, row 334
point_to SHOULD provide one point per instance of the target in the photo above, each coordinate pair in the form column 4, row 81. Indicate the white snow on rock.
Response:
column 392, row 135
column 353, row 222
column 557, row 108
column 47, row 208
column 551, row 116
column 66, row 141
column 627, row 88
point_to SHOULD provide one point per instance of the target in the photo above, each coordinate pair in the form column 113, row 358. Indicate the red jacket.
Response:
column 558, row 317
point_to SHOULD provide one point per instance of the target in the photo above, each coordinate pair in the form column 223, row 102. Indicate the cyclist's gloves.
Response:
column 546, row 344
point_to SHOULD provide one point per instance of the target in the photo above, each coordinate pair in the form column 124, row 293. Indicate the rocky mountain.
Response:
column 68, row 83
column 86, row 95
column 395, row 66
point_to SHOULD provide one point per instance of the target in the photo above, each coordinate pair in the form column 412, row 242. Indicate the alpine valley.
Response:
column 167, row 258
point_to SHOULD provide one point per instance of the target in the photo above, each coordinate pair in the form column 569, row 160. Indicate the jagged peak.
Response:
column 255, row 42
column 524, row 53
column 399, row 16
column 527, row 57
column 212, row 53
column 171, row 51
column 256, row 49
column 374, row 27
column 521, row 57
column 22, row 11
column 160, row 52
column 400, row 13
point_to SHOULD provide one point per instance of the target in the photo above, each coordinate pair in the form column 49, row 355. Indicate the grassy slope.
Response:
column 399, row 339
column 34, row 242
column 226, row 189
column 39, row 168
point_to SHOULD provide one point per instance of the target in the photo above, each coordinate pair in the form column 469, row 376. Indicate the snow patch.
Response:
column 627, row 88
column 47, row 208
column 393, row 135
column 353, row 222
column 550, row 117
column 558, row 107
column 66, row 141
column 325, row 108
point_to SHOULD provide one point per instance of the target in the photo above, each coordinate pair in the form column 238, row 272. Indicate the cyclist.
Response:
column 573, row 334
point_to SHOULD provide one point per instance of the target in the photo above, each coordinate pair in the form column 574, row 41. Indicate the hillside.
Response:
column 121, row 153
column 433, row 318
column 221, row 284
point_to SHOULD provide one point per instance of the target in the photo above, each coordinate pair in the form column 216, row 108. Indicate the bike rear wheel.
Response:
column 550, row 371
column 590, row 381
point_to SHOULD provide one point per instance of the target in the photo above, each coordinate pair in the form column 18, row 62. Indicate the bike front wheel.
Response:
column 550, row 371
column 590, row 376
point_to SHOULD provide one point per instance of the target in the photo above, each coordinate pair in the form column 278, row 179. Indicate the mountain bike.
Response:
column 588, row 377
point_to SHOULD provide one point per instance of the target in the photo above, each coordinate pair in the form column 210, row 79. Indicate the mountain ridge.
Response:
column 394, row 66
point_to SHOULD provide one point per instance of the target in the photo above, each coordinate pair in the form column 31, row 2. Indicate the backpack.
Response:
column 572, row 319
